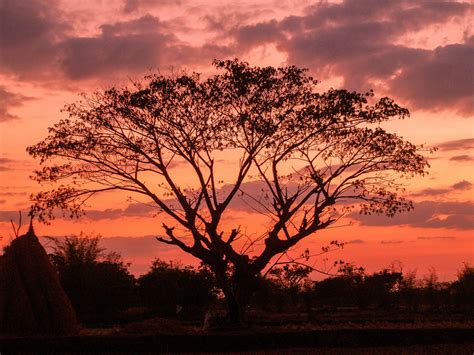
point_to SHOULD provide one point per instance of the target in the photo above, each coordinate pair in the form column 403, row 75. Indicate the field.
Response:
column 343, row 331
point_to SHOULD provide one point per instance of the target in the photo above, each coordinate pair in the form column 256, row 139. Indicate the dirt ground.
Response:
column 340, row 332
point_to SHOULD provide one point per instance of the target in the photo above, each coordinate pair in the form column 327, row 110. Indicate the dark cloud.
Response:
column 391, row 242
column 408, row 14
column 139, row 26
column 462, row 158
column 131, row 46
column 12, row 193
column 7, row 164
column 346, row 50
column 130, row 6
column 359, row 41
column 460, row 144
column 7, row 216
column 440, row 238
column 109, row 213
column 37, row 41
column 355, row 241
column 225, row 20
column 427, row 214
column 132, row 210
column 29, row 32
column 2, row 201
column 253, row 35
column 443, row 78
column 462, row 185
column 431, row 192
column 9, row 100
column 454, row 221
column 137, row 209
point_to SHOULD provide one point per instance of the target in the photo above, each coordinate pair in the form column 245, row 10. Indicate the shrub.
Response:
column 169, row 289
column 463, row 288
column 378, row 289
column 97, row 283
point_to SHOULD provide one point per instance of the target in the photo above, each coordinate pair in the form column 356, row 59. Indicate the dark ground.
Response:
column 342, row 331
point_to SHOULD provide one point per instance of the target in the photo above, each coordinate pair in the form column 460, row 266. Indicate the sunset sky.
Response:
column 421, row 53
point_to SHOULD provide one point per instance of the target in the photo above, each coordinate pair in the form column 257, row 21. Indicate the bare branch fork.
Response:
column 16, row 230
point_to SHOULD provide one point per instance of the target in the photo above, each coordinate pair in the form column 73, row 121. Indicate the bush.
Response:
column 282, row 289
column 169, row 289
column 97, row 283
column 378, row 289
column 463, row 288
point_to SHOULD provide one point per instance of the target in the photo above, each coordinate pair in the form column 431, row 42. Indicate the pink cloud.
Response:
column 462, row 158
column 131, row 6
column 357, row 40
column 459, row 144
column 427, row 214
column 9, row 100
column 29, row 33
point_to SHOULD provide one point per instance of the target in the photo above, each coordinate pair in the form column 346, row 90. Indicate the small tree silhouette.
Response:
column 464, row 288
column 97, row 283
column 169, row 289
column 302, row 159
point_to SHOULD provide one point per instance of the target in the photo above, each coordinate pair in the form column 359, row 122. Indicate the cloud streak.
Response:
column 8, row 101
column 464, row 158
column 459, row 144
column 459, row 186
column 436, row 238
column 427, row 214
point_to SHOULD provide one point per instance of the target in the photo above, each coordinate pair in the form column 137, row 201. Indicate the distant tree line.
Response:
column 101, row 287
column 353, row 287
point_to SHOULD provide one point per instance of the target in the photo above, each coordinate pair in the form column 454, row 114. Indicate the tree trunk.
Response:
column 238, row 290
column 235, row 311
column 244, row 285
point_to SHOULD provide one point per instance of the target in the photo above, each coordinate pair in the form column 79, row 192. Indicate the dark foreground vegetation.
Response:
column 103, row 291
column 178, row 308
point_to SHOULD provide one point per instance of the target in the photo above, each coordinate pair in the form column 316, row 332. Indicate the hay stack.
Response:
column 32, row 300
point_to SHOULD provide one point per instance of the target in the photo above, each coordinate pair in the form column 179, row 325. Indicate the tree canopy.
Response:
column 313, row 155
column 97, row 282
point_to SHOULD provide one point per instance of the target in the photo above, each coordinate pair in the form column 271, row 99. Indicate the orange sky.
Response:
column 418, row 52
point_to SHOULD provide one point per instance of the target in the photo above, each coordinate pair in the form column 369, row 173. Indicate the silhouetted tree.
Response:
column 291, row 278
column 302, row 158
column 464, row 288
column 409, row 291
column 97, row 283
column 378, row 289
column 282, row 287
column 340, row 290
column 170, row 289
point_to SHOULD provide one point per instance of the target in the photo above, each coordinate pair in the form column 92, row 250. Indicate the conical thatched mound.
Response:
column 32, row 300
